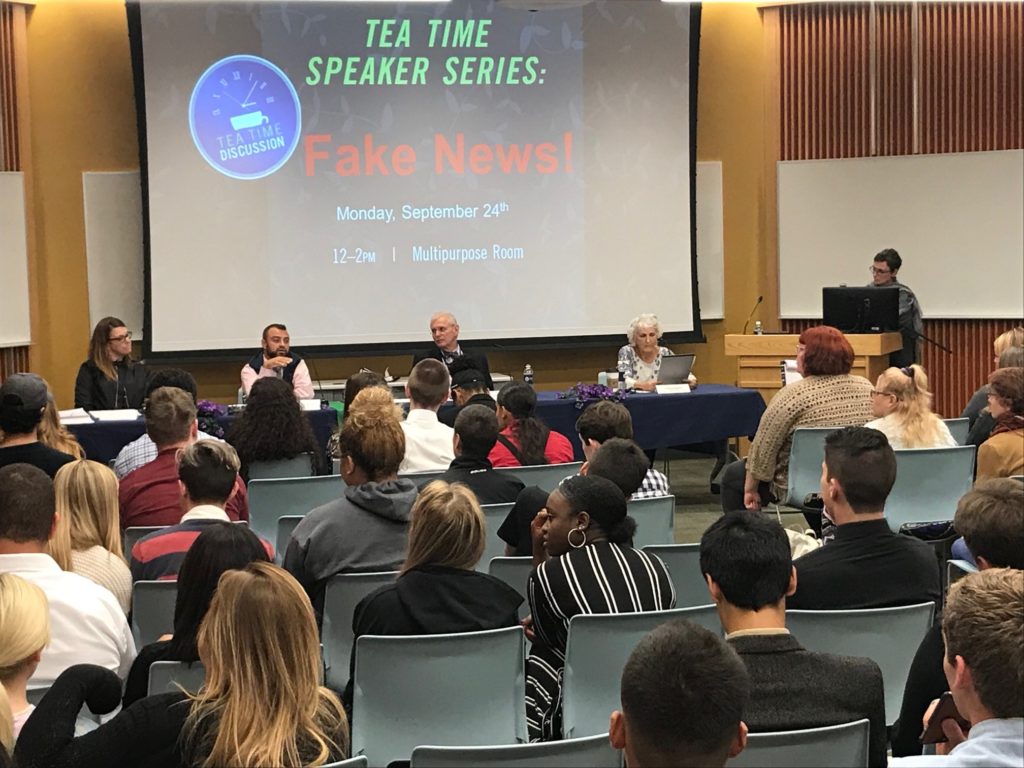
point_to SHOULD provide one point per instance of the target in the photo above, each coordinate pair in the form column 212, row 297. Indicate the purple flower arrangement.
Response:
column 207, row 413
column 588, row 393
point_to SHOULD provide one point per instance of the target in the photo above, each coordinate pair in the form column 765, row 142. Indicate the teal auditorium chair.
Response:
column 805, row 456
column 494, row 516
column 153, row 610
column 546, row 476
column 596, row 652
column 590, row 752
column 514, row 571
column 422, row 478
column 929, row 483
column 959, row 429
column 165, row 676
column 132, row 535
column 285, row 527
column 352, row 762
column 888, row 636
column 683, row 563
column 837, row 746
column 655, row 520
column 341, row 596
column 272, row 499
column 447, row 690
column 299, row 466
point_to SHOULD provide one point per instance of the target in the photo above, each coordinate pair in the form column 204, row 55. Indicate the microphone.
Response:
column 324, row 403
column 751, row 315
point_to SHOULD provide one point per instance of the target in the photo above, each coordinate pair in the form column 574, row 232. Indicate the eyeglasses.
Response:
column 123, row 337
column 801, row 348
column 877, row 271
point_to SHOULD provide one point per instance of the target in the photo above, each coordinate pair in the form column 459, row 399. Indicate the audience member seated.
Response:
column 272, row 428
column 262, row 703
column 745, row 558
column 476, row 432
column 984, row 423
column 827, row 396
column 604, row 420
column 208, row 478
column 365, row 529
column 428, row 442
column 24, row 633
column 219, row 548
column 469, row 387
column 143, row 450
column 110, row 378
column 990, row 518
column 23, row 398
column 1013, row 338
column 354, row 384
column 585, row 531
column 668, row 682
column 1002, row 454
column 444, row 330
column 87, row 539
column 438, row 592
column 640, row 359
column 984, row 667
column 902, row 406
column 867, row 566
column 524, row 439
column 150, row 495
column 54, row 434
column 86, row 622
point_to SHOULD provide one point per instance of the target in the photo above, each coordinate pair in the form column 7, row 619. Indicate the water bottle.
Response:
column 758, row 330
column 528, row 374
column 622, row 375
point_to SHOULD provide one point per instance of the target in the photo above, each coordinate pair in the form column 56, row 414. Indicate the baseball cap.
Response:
column 25, row 391
column 469, row 377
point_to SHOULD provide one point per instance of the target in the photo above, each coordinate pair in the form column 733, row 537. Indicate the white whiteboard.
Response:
column 15, row 319
column 113, row 247
column 957, row 220
column 710, row 241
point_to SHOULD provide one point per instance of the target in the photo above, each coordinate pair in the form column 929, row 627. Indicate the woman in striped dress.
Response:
column 585, row 564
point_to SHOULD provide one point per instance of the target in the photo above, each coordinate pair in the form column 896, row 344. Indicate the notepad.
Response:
column 119, row 414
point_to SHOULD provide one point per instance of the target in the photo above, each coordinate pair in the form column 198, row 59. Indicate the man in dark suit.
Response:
column 867, row 566
column 444, row 329
column 745, row 558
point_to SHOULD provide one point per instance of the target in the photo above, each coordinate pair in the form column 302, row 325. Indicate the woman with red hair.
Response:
column 827, row 396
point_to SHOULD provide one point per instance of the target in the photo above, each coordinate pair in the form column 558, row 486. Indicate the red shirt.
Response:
column 557, row 451
column 151, row 496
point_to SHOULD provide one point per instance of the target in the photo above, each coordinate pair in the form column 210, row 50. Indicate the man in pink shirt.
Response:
column 276, row 359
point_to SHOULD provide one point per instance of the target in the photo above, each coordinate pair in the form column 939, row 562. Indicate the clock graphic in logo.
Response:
column 245, row 117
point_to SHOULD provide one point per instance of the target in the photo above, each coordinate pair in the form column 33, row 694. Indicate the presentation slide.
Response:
column 350, row 168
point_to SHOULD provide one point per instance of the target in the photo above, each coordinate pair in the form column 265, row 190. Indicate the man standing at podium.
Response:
column 883, row 271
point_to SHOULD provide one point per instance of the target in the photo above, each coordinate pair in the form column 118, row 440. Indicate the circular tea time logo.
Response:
column 244, row 115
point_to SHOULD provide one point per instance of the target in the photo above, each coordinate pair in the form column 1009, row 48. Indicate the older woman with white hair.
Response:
column 640, row 360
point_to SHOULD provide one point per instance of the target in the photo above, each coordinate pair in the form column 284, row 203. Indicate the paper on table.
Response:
column 672, row 389
column 310, row 404
column 86, row 419
column 119, row 414
column 73, row 413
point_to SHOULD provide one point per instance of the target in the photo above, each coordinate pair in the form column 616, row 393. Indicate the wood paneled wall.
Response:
column 861, row 80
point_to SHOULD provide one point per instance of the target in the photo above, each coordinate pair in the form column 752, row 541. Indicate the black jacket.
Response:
column 449, row 414
column 479, row 360
column 489, row 485
column 95, row 392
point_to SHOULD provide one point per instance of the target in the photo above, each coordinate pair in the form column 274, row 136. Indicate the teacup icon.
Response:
column 249, row 120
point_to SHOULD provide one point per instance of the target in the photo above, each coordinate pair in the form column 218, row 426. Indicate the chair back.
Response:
column 959, row 429
column 341, row 596
column 352, row 762
column 806, row 453
column 514, row 571
column 596, row 651
column 591, row 752
column 683, row 563
column 419, row 479
column 271, row 499
column 494, row 516
column 546, row 476
column 462, row 689
column 153, row 610
column 929, row 483
column 131, row 536
column 957, row 569
column 655, row 520
column 285, row 527
column 888, row 636
column 166, row 676
column 837, row 746
column 298, row 466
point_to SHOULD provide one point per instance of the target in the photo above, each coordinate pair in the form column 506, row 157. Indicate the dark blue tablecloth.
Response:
column 102, row 440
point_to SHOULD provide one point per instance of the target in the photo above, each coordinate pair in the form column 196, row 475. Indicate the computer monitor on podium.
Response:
column 864, row 309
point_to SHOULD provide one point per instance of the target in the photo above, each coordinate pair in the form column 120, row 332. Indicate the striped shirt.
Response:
column 598, row 578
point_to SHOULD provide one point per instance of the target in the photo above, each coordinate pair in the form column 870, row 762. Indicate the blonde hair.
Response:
column 24, row 631
column 55, row 435
column 920, row 427
column 447, row 528
column 262, row 699
column 372, row 435
column 377, row 397
column 1011, row 338
column 87, row 511
column 984, row 622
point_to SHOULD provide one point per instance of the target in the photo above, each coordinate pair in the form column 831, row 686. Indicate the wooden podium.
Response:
column 759, row 357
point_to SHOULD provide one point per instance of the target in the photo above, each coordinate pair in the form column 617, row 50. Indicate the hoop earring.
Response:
column 580, row 531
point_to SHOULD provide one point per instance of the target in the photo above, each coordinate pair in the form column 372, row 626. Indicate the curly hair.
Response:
column 272, row 427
